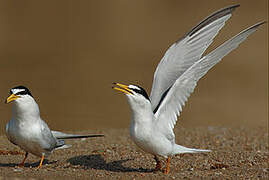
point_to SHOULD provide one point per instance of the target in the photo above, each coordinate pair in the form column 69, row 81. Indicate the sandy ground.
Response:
column 237, row 153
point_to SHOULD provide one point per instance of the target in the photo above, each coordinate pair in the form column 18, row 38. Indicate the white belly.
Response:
column 150, row 141
column 27, row 137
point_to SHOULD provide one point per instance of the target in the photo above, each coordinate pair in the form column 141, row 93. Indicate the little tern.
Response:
column 27, row 130
column 154, row 117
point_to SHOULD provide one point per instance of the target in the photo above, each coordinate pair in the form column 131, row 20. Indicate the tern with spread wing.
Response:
column 153, row 118
column 27, row 130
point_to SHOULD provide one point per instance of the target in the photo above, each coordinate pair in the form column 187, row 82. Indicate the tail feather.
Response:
column 181, row 149
column 60, row 135
column 61, row 145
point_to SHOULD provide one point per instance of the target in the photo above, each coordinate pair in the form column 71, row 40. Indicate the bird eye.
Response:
column 141, row 91
column 20, row 90
column 21, row 93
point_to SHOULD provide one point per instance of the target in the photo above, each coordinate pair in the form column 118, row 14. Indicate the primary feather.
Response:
column 185, row 52
column 178, row 94
column 61, row 135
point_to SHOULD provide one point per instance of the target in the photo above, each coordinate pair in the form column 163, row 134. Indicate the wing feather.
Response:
column 61, row 135
column 171, row 106
column 185, row 52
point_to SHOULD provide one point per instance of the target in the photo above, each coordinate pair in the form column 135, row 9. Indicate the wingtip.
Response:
column 231, row 7
column 228, row 9
column 211, row 18
column 235, row 6
column 260, row 23
column 255, row 26
column 97, row 135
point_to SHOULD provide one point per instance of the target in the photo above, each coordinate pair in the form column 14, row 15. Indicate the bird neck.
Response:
column 141, row 112
column 26, row 110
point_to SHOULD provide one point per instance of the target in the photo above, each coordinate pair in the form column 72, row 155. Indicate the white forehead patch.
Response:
column 15, row 91
column 133, row 87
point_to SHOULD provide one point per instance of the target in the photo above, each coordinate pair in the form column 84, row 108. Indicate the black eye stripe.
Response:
column 141, row 91
column 24, row 91
column 137, row 90
column 21, row 93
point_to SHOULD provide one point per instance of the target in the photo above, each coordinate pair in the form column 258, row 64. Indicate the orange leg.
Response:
column 23, row 161
column 166, row 171
column 158, row 164
column 41, row 161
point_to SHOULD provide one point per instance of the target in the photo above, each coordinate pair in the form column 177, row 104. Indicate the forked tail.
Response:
column 181, row 149
column 61, row 145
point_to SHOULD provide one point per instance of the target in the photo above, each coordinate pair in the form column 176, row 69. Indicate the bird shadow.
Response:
column 96, row 161
column 35, row 164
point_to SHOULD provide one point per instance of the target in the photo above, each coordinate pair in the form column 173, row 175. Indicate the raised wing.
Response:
column 178, row 94
column 185, row 52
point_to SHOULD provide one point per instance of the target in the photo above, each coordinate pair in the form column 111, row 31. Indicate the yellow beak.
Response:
column 123, row 88
column 12, row 97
